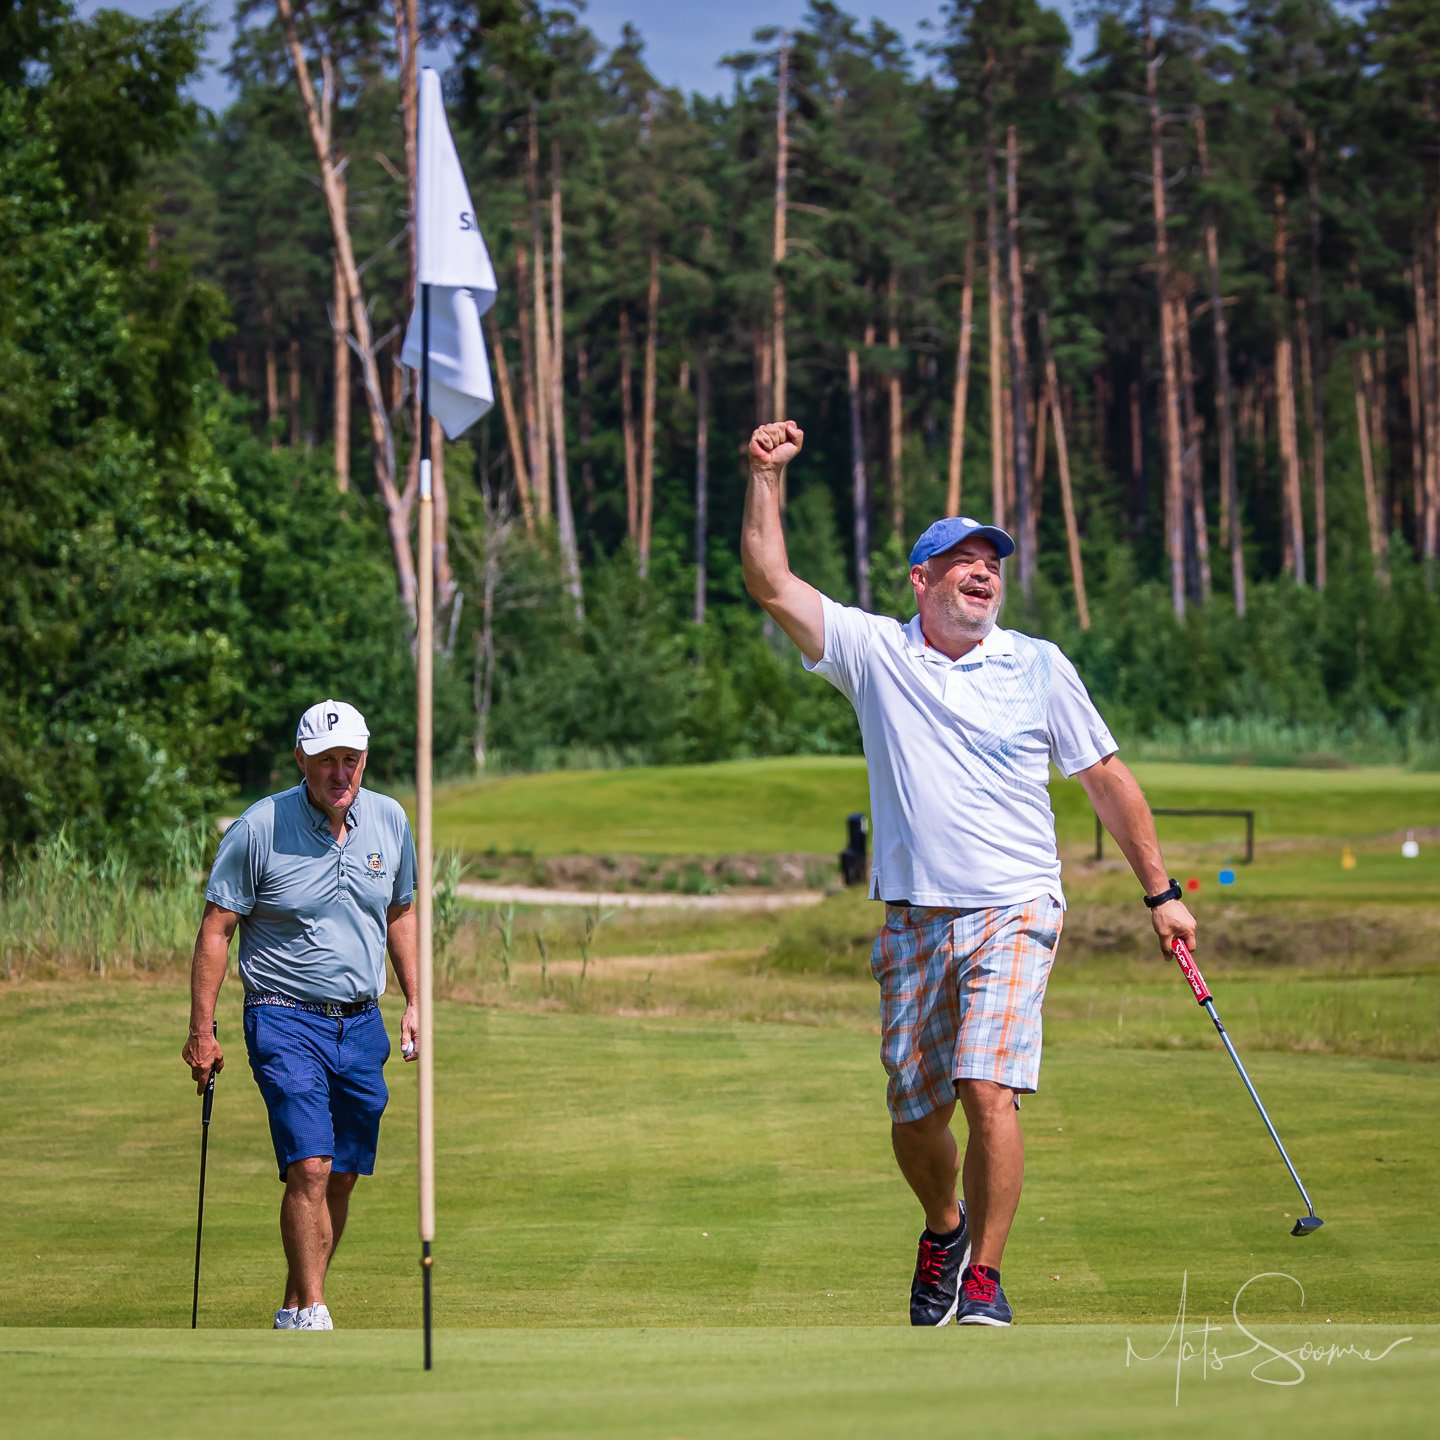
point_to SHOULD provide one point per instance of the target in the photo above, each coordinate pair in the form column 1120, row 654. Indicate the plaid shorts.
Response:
column 960, row 996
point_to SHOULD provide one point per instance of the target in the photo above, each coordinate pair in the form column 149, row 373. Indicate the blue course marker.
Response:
column 1226, row 877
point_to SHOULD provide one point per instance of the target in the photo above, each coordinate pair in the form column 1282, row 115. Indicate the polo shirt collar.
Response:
column 997, row 642
column 316, row 816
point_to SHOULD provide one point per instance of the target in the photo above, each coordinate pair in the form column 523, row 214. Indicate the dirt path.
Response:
column 638, row 900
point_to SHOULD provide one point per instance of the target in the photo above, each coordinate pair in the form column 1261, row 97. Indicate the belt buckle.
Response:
column 334, row 1009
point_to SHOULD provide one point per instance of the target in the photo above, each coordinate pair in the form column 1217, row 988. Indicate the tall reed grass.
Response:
column 64, row 912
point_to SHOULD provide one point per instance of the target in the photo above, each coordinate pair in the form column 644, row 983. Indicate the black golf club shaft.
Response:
column 207, row 1105
column 1197, row 984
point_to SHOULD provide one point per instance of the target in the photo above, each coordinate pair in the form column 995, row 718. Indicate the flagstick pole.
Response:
column 424, row 676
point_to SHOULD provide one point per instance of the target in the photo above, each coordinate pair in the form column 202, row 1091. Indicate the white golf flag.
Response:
column 455, row 264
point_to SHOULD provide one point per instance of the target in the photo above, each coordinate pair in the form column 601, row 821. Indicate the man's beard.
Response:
column 973, row 626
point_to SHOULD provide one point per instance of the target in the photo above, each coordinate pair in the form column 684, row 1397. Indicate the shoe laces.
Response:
column 931, row 1263
column 979, row 1286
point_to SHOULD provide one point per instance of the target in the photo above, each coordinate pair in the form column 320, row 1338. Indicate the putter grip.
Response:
column 1190, row 970
column 208, row 1104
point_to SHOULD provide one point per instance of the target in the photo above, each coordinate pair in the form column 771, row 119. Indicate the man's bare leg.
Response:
column 994, row 1166
column 337, row 1201
column 930, row 1162
column 306, row 1230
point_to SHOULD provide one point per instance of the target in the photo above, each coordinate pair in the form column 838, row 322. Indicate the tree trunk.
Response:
column 1430, row 374
column 1373, row 517
column 764, row 373
column 340, row 326
column 1315, row 360
column 627, row 430
column 962, row 382
column 528, row 401
column 1019, row 373
column 702, row 479
column 1062, row 463
column 859, row 486
column 1137, row 497
column 1042, row 416
column 782, row 167
column 1294, row 521
column 272, row 375
column 542, row 318
column 1224, row 403
column 1193, row 471
column 292, row 359
column 382, row 439
column 445, row 587
column 892, row 385
column 1170, row 400
column 647, row 419
column 1417, row 424
column 512, row 425
column 996, row 358
column 587, row 427
column 564, row 512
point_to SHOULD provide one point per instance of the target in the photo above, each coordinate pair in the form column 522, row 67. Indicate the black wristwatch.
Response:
column 1171, row 892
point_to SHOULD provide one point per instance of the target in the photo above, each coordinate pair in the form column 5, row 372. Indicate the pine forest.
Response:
column 1165, row 304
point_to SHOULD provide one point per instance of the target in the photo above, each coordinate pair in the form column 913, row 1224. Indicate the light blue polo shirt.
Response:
column 312, row 923
column 959, row 755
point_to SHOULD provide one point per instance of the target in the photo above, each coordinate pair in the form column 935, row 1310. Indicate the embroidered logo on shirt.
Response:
column 376, row 861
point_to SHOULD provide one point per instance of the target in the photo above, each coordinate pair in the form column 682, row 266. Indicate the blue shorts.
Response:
column 323, row 1082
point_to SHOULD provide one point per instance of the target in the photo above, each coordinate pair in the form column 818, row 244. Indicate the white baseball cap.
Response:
column 332, row 725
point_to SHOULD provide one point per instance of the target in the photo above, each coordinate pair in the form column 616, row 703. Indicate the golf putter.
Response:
column 1306, row 1224
column 206, row 1107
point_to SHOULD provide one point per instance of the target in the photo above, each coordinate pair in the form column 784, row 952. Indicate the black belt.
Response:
column 336, row 1009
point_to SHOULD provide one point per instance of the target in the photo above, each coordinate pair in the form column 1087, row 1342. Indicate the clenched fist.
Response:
column 774, row 446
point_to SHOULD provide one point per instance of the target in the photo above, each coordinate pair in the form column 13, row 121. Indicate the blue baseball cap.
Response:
column 946, row 534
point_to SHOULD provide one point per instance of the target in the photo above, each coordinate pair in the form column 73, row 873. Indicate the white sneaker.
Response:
column 286, row 1320
column 314, row 1317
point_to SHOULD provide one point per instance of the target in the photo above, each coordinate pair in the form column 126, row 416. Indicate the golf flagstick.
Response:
column 207, row 1105
column 456, row 280
column 1306, row 1224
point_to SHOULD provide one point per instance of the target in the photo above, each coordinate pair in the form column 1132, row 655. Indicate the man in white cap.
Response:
column 319, row 880
column 960, row 721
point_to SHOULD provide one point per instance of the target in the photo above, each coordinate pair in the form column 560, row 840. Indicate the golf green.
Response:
column 787, row 1383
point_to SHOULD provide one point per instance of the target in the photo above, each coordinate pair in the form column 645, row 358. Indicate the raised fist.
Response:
column 775, row 445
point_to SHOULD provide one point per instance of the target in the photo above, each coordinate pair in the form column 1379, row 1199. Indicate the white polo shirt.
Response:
column 959, row 756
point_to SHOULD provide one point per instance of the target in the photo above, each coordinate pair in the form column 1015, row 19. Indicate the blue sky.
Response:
column 684, row 38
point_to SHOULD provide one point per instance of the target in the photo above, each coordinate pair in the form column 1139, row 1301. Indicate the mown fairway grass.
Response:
column 801, row 804
column 666, row 1201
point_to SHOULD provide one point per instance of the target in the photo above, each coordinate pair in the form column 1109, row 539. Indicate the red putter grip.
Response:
column 1191, row 971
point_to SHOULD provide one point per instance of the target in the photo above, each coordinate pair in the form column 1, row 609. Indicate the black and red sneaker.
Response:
column 982, row 1301
column 935, row 1290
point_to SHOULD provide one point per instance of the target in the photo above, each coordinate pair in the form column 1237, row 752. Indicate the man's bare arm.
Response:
column 202, row 1052
column 402, row 939
column 1120, row 803
column 794, row 605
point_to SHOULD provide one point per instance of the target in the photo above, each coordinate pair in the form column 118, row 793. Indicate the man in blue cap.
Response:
column 960, row 721
column 319, row 881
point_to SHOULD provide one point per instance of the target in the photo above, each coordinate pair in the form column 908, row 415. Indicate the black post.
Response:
column 205, row 1109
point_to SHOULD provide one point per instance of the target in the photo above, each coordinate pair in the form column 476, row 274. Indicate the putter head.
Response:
column 1307, row 1225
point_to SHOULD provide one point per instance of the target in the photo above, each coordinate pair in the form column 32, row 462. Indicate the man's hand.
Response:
column 202, row 1053
column 410, row 1034
column 1172, row 920
column 774, row 446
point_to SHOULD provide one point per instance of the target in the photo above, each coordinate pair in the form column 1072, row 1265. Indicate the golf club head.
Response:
column 1307, row 1225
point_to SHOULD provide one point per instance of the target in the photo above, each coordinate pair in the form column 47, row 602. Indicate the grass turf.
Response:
column 791, row 1384
column 756, row 806
column 608, row 1170
column 662, row 1214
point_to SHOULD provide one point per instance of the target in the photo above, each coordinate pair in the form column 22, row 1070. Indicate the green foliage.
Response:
column 117, row 596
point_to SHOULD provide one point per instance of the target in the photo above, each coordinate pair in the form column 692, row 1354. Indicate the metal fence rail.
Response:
column 1248, row 816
